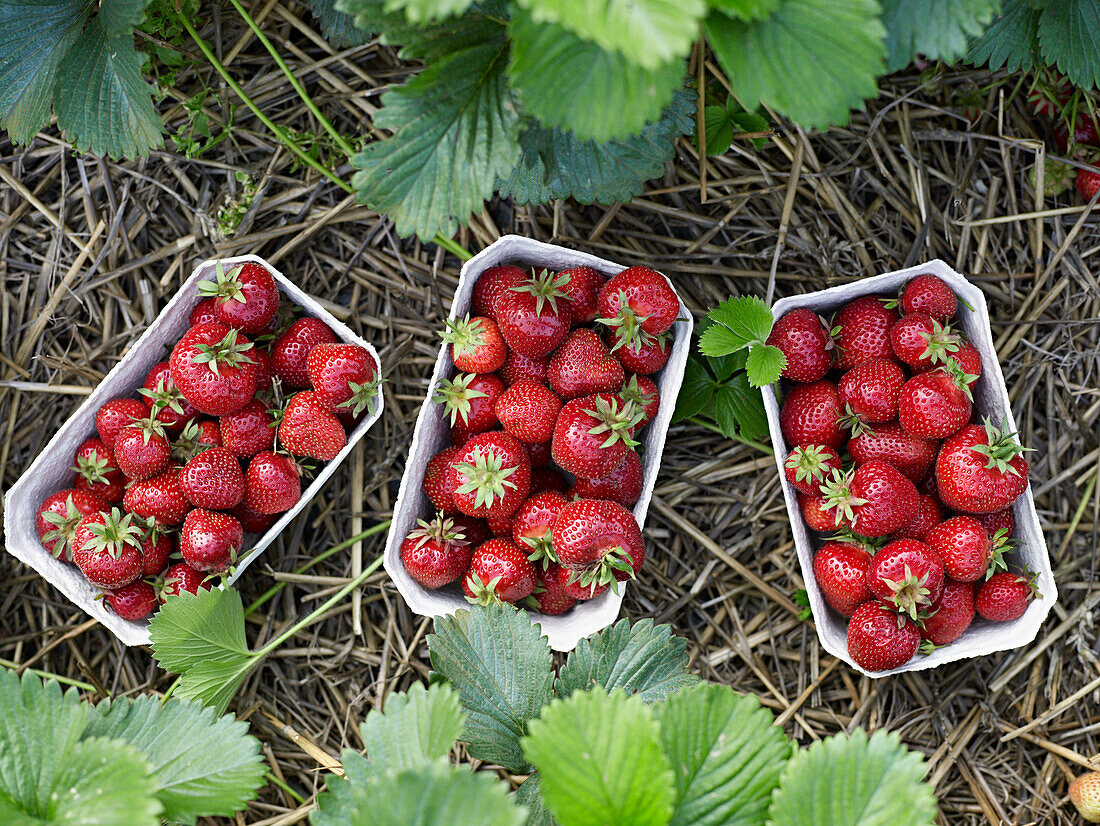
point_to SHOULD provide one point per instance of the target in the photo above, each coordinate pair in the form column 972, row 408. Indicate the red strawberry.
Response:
column 195, row 438
column 203, row 312
column 265, row 371
column 308, row 428
column 980, row 470
column 476, row 344
column 468, row 401
column 533, row 316
column 439, row 482
column 213, row 480
column 500, row 524
column 538, row 453
column 164, row 400
column 592, row 435
column 160, row 499
column 97, row 471
column 107, row 548
column 272, row 483
column 929, row 294
column 528, row 411
column 1050, row 92
column 869, row 391
column 491, row 284
column 248, row 431
column 179, row 578
column 861, row 331
column 156, row 549
column 922, row 342
column 246, row 297
column 254, row 522
column 499, row 572
column 638, row 298
column 290, row 352
column 997, row 521
column 142, row 449
column 808, row 466
column 964, row 546
column 491, row 476
column 1005, row 596
column 874, row 499
column 344, row 377
column 550, row 596
column 968, row 360
column 816, row 512
column 435, row 553
column 880, row 639
column 811, row 415
column 581, row 289
column 133, row 602
column 803, row 340
column 213, row 368
column 622, row 485
column 210, row 541
column 888, row 442
column 928, row 516
column 474, row 531
column 532, row 523
column 517, row 367
column 935, row 404
column 950, row 615
column 1087, row 183
column 1085, row 132
column 115, row 415
column 840, row 569
column 643, row 392
column 583, row 366
column 59, row 514
column 600, row 540
column 545, row 478
column 906, row 574
column 645, row 356
column 570, row 582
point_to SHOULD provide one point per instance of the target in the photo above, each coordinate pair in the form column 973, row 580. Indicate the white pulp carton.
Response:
column 990, row 399
column 432, row 435
column 52, row 469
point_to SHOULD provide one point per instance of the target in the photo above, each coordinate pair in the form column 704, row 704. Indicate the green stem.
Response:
column 452, row 247
column 763, row 448
column 46, row 675
column 275, row 780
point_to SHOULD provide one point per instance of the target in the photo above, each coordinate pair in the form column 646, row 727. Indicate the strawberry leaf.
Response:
column 529, row 794
column 738, row 323
column 739, row 409
column 417, row 727
column 764, row 364
column 338, row 28
column 746, row 9
column 1012, row 39
column 696, row 390
column 418, row 11
column 932, row 28
column 1067, row 40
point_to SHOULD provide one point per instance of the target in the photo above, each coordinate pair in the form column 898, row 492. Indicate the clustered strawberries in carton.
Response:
column 551, row 389
column 210, row 448
column 889, row 455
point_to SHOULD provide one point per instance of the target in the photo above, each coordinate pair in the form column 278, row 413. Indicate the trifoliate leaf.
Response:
column 1012, row 39
column 576, row 85
column 417, row 727
column 845, row 781
column 646, row 32
column 720, row 341
column 738, row 322
column 764, row 364
column 696, row 390
column 728, row 754
column 338, row 28
column 745, row 9
column 417, row 11
column 101, row 782
column 812, row 60
column 739, row 409
column 529, row 794
column 500, row 665
column 936, row 29
column 601, row 760
column 1067, row 39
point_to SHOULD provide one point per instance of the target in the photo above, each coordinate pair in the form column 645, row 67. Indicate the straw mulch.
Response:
column 90, row 250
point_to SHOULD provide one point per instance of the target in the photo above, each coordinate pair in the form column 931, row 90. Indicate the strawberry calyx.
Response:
column 455, row 395
column 941, row 343
column 64, row 527
column 809, row 462
column 92, row 467
column 601, row 573
column 542, row 549
column 163, row 398
column 114, row 533
column 909, row 593
column 632, row 392
column 464, row 335
column 961, row 379
column 188, row 443
column 486, row 477
column 927, row 647
column 364, row 396
column 1001, row 545
column 617, row 418
column 627, row 326
column 149, row 426
column 838, row 496
column 484, row 593
column 546, row 287
column 870, row 544
column 226, row 286
column 228, row 352
column 440, row 529
column 854, row 422
column 1002, row 447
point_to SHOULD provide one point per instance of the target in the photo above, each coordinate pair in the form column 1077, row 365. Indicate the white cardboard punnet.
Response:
column 51, row 470
column 990, row 399
column 431, row 436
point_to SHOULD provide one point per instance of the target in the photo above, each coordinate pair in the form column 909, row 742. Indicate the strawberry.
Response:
column 491, row 476
column 840, row 569
column 97, row 471
column 811, row 415
column 928, row 516
column 203, row 312
column 142, row 449
column 1049, row 93
column 476, row 344
column 59, row 514
column 643, row 392
column 344, row 376
column 861, row 331
column 133, row 602
column 248, row 431
column 107, row 549
column 210, row 541
column 968, row 361
column 265, row 370
column 491, row 284
column 160, row 499
column 582, row 366
column 803, row 340
column 907, row 575
column 196, row 437
column 439, row 483
column 622, row 485
column 1084, row 792
column 980, row 470
column 581, row 287
column 308, row 428
column 164, row 400
column 290, row 352
column 997, row 521
column 1085, row 132
column 272, row 483
column 517, row 367
column 1087, row 183
column 888, row 442
column 115, row 415
column 468, row 401
column 253, row 522
column 550, row 596
column 500, row 524
column 599, row 540
column 246, row 297
column 435, row 553
column 474, row 531
column 935, row 404
column 869, row 392
column 592, row 434
column 178, row 578
column 532, row 523
column 499, row 572
column 213, row 480
column 532, row 316
column 637, row 299
column 1005, row 596
column 964, row 546
column 528, row 411
column 644, row 356
column 926, row 293
column 816, row 512
column 545, row 478
column 874, row 499
column 880, row 639
column 950, row 615
column 923, row 342
column 156, row 550
column 808, row 466
column 213, row 368
column 538, row 453
column 570, row 583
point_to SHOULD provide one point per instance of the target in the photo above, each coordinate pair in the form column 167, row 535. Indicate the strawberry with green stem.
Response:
column 59, row 514
column 1005, row 596
column 635, row 301
column 476, row 344
column 922, row 341
column 981, row 469
column 643, row 355
column 642, row 391
column 499, row 572
column 551, row 596
column 907, row 575
column 142, row 449
column 491, row 476
column 593, row 434
column 965, row 548
column 156, row 549
column 599, row 541
column 97, row 472
column 533, row 523
column 808, row 467
column 196, row 437
column 534, row 316
column 133, row 602
column 107, row 548
column 212, row 367
column 164, row 400
column 936, row 404
column 436, row 552
column 880, row 639
column 873, row 500
column 344, row 377
column 468, row 401
column 927, row 293
column 246, row 297
column 178, row 578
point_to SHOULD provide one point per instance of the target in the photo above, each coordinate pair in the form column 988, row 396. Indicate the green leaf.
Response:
column 745, row 9
column 343, row 796
column 722, row 367
column 34, row 37
column 719, row 128
column 640, row 658
column 752, row 122
column 418, row 11
column 695, row 391
column 937, row 29
column 646, row 32
column 1012, row 39
column 417, row 727
column 103, row 104
column 738, row 322
column 601, row 760
column 845, row 781
column 812, row 60
column 764, row 364
column 1068, row 39
column 121, row 17
column 424, row 41
column 555, row 163
column 501, row 666
column 576, row 85
column 728, row 754
column 529, row 794
column 202, row 765
column 338, row 28
column 102, row 782
column 739, row 409
column 717, row 340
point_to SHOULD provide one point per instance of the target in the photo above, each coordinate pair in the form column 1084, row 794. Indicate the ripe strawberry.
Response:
column 811, row 415
column 1084, row 792
column 344, row 377
column 840, row 570
column 1085, row 133
column 213, row 368
column 538, row 453
column 533, row 316
column 213, row 480
column 265, row 370
column 907, row 575
column 869, row 392
column 1087, row 183
column 156, row 550
column 997, row 521
column 582, row 366
column 474, row 531
column 1005, row 596
column 923, row 342
column 160, row 498
column 210, row 541
column 592, row 435
column 528, row 411
column 935, row 404
column 980, row 470
column 644, row 356
column 643, row 392
column 476, row 344
column 803, row 340
column 439, row 483
column 532, row 523
column 888, row 442
column 59, row 514
column 253, row 522
column 880, row 639
column 435, row 553
column 600, row 540
column 97, row 471
column 107, row 549
column 468, row 401
column 581, row 287
column 142, row 449
column 571, row 583
column 546, row 478
column 968, row 360
column 550, row 596
column 500, row 524
column 290, row 352
column 203, row 312
column 308, row 428
column 179, row 578
column 808, row 466
column 964, row 546
column 195, row 438
column 115, row 415
column 272, row 483
column 816, row 512
column 873, row 500
column 638, row 298
column 951, row 615
column 861, row 331
column 164, row 400
column 491, row 284
column 133, row 602
column 929, row 294
column 491, row 476
column 622, row 485
column 246, row 297
column 499, row 572
column 518, row 367
column 248, row 431
column 928, row 516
